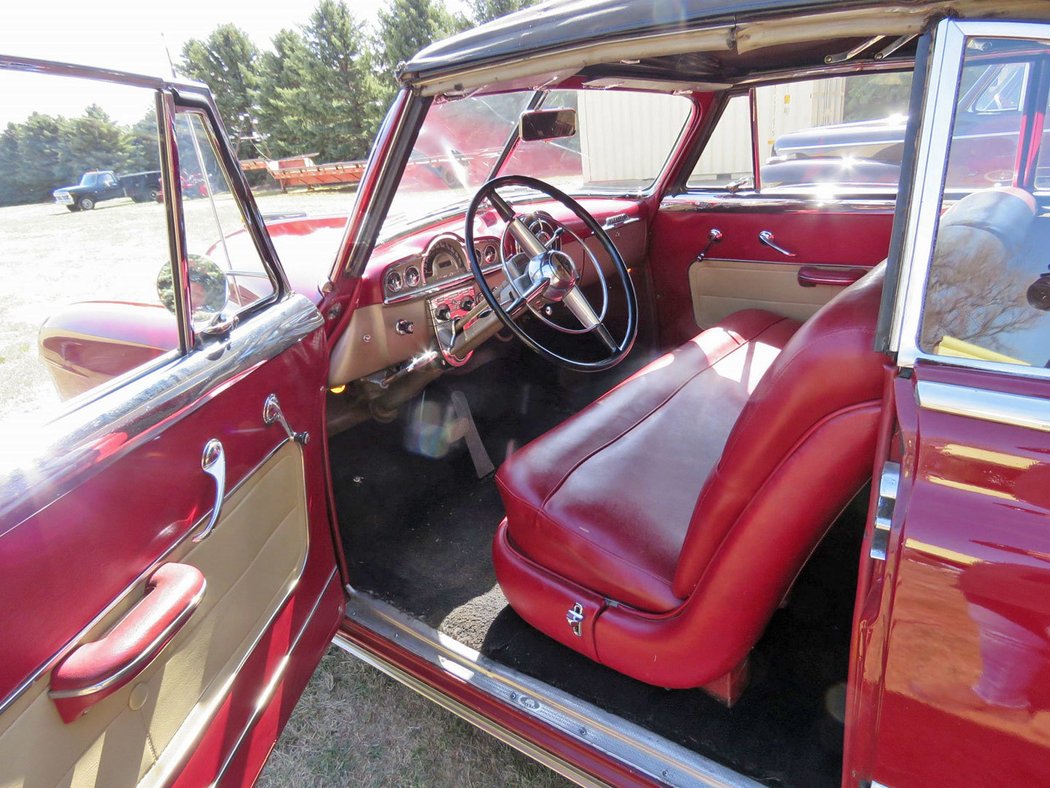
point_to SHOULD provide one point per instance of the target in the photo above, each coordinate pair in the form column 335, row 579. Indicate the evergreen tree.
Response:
column 94, row 142
column 141, row 141
column 226, row 61
column 408, row 26
column 485, row 10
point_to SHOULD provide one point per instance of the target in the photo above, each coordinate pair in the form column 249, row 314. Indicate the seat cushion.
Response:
column 605, row 498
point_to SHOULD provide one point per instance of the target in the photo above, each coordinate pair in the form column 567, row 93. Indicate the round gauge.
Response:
column 489, row 254
column 445, row 259
column 394, row 282
column 412, row 276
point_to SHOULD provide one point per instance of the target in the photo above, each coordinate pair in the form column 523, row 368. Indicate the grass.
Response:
column 356, row 726
column 353, row 726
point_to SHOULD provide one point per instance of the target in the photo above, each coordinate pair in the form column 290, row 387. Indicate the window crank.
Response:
column 766, row 237
column 272, row 413
column 713, row 237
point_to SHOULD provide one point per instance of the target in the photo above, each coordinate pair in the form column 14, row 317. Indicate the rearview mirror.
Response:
column 547, row 124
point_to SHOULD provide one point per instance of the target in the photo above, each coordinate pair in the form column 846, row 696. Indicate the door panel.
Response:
column 269, row 557
column 739, row 271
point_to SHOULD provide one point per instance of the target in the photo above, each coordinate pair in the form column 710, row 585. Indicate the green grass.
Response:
column 356, row 726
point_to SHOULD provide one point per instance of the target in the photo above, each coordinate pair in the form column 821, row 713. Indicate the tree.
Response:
column 142, row 144
column 410, row 25
column 94, row 142
column 486, row 10
column 226, row 61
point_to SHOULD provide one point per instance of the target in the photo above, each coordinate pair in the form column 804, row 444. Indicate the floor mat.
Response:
column 417, row 528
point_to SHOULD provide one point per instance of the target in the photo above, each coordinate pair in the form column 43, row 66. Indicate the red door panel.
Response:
column 848, row 236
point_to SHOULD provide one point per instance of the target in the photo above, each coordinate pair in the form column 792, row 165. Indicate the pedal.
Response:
column 478, row 454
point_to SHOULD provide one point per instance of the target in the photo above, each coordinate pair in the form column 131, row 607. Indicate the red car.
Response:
column 768, row 503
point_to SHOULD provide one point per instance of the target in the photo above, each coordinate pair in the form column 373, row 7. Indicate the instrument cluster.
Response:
column 443, row 262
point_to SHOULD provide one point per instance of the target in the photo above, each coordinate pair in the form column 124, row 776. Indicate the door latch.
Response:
column 889, row 482
column 575, row 618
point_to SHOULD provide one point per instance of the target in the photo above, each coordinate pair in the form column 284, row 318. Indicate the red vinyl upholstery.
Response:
column 677, row 509
column 672, row 515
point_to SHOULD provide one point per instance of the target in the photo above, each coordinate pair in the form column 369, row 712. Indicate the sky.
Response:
column 128, row 36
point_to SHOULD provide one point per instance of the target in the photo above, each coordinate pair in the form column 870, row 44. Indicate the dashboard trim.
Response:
column 437, row 287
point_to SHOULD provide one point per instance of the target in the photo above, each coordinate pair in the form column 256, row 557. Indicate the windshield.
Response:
column 622, row 140
column 89, row 179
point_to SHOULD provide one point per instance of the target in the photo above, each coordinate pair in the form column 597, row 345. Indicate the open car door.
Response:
column 167, row 573
column 950, row 674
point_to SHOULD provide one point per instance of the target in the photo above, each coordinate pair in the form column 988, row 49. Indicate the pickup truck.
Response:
column 99, row 185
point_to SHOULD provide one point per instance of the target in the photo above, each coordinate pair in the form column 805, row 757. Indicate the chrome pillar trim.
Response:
column 889, row 483
column 1015, row 410
column 89, row 438
column 630, row 744
column 934, row 137
column 148, row 654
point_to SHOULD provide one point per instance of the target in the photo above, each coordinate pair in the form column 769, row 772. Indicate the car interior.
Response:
column 660, row 516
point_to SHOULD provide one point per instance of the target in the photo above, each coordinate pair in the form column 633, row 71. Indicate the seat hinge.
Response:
column 889, row 482
column 575, row 618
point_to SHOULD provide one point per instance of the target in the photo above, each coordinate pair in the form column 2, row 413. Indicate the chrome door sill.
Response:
column 660, row 759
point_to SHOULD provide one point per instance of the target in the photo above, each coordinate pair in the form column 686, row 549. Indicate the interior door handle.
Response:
column 96, row 670
column 766, row 237
column 811, row 276
column 213, row 463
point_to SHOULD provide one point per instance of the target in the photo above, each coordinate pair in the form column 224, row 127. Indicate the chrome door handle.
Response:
column 213, row 463
column 766, row 237
column 219, row 326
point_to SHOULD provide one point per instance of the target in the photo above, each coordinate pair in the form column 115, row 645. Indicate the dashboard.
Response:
column 417, row 283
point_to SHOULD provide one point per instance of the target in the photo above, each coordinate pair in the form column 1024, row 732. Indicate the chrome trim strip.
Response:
column 624, row 741
column 76, row 640
column 716, row 202
column 440, row 287
column 934, row 135
column 519, row 743
column 1015, row 410
column 266, row 695
column 100, row 432
column 150, row 653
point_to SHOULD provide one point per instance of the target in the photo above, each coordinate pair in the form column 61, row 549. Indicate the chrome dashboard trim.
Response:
column 438, row 287
column 652, row 755
column 98, row 433
column 1015, row 410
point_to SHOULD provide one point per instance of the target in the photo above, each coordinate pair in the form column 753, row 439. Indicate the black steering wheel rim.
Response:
column 631, row 299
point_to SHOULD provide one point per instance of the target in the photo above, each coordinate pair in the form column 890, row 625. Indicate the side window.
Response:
column 79, row 251
column 726, row 161
column 227, row 273
column 842, row 133
column 988, row 289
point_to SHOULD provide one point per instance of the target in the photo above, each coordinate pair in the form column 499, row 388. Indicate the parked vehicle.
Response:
column 771, row 501
column 99, row 185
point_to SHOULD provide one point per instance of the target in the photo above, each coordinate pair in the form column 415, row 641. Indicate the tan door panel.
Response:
column 721, row 287
column 251, row 561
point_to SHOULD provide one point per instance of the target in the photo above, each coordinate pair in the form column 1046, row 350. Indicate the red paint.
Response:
column 951, row 650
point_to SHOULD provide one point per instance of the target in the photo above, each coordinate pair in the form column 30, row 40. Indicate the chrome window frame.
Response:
column 923, row 211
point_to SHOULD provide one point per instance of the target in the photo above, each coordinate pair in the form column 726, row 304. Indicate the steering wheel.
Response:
column 542, row 275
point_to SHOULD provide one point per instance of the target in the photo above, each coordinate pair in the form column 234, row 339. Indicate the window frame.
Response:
column 923, row 211
column 680, row 183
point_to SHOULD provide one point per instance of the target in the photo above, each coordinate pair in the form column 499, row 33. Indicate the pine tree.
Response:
column 486, row 10
column 226, row 61
column 410, row 25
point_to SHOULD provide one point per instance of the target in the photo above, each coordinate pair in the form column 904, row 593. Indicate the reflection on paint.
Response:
column 974, row 488
column 988, row 455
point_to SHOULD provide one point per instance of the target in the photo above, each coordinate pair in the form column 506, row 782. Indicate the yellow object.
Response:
column 958, row 348
column 338, row 389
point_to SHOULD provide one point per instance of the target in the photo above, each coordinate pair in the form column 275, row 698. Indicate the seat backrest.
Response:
column 804, row 444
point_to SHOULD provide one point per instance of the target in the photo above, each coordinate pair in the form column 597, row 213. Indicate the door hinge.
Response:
column 889, row 482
